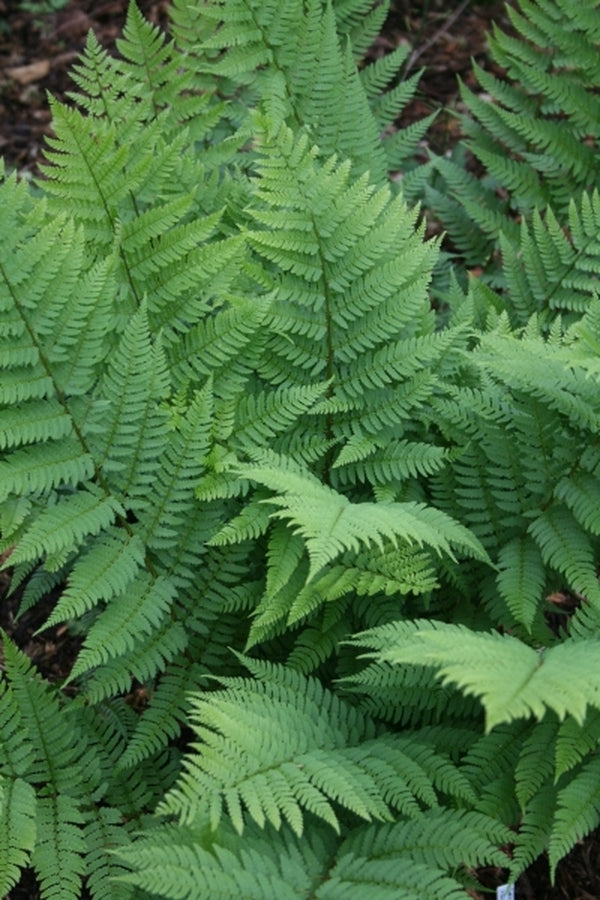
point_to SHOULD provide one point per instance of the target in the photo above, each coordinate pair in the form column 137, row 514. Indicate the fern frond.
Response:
column 151, row 655
column 166, row 710
column 191, row 863
column 521, row 578
column 104, row 835
column 17, row 829
column 564, row 545
column 535, row 766
column 163, row 510
column 329, row 754
column 118, row 628
column 578, row 811
column 102, row 571
column 329, row 523
column 63, row 527
column 58, row 854
column 512, row 679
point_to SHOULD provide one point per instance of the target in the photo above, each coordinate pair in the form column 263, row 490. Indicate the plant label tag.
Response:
column 505, row 892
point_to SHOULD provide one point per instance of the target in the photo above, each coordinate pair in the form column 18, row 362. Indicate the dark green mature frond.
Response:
column 578, row 811
column 193, row 863
column 17, row 829
column 103, row 835
column 535, row 132
column 166, row 710
column 119, row 627
column 189, row 857
column 575, row 741
column 551, row 269
column 58, row 854
column 522, row 578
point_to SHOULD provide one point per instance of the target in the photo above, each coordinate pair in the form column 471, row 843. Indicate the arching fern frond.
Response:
column 239, row 765
column 329, row 523
column 515, row 680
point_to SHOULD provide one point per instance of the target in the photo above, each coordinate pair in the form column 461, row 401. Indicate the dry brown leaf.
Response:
column 28, row 74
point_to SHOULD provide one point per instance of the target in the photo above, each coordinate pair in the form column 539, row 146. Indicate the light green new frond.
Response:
column 329, row 523
column 17, row 829
column 512, row 679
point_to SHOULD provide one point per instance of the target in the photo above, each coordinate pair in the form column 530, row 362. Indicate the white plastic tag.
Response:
column 505, row 892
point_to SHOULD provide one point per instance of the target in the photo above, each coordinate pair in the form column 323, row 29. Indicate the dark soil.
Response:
column 36, row 51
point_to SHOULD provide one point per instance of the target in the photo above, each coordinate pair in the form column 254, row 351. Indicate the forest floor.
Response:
column 37, row 49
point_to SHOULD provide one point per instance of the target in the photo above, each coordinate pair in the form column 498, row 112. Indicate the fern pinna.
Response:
column 313, row 525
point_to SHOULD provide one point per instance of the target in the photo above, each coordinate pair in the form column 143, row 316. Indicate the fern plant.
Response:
column 243, row 454
column 530, row 220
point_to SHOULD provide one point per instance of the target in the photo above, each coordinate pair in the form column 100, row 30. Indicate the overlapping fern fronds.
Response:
column 535, row 133
column 230, row 422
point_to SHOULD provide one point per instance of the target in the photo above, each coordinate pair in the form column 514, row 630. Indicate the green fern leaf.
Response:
column 58, row 854
column 17, row 829
column 578, row 811
column 329, row 523
column 521, row 578
column 512, row 679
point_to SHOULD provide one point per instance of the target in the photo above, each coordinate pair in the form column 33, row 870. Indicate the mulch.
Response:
column 36, row 51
